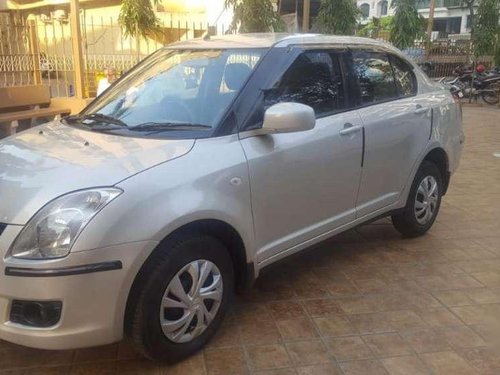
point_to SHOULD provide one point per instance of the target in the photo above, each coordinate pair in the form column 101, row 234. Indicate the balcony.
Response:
column 424, row 4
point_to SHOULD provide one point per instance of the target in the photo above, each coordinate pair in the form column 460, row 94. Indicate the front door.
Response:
column 305, row 184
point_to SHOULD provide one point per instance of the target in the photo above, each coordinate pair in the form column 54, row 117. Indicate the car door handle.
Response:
column 350, row 129
column 420, row 110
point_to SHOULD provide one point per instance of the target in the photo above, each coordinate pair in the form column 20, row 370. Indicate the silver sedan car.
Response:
column 206, row 163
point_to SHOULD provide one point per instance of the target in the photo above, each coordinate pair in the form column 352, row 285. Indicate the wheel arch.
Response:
column 222, row 231
column 439, row 157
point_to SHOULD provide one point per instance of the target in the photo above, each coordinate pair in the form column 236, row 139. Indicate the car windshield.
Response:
column 176, row 89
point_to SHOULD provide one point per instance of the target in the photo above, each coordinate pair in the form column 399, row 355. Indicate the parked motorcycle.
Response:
column 469, row 83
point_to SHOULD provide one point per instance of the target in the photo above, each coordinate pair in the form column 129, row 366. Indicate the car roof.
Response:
column 268, row 40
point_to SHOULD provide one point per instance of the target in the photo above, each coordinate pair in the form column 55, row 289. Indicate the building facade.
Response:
column 450, row 17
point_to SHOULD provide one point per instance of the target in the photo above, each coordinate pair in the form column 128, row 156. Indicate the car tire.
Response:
column 164, row 270
column 421, row 209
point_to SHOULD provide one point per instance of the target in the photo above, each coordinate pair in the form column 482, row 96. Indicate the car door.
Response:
column 304, row 184
column 397, row 125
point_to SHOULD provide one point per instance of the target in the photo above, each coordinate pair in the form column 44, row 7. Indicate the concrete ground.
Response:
column 366, row 302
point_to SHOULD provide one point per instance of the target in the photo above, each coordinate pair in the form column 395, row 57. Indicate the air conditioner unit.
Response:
column 60, row 15
column 45, row 18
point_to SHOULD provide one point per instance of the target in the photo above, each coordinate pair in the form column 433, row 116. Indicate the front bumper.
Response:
column 93, row 302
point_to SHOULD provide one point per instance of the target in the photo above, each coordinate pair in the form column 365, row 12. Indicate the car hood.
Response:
column 50, row 160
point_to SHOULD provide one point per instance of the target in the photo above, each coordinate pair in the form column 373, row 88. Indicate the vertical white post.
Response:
column 306, row 16
column 76, row 40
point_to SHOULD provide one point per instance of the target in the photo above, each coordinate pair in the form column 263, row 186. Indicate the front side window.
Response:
column 314, row 79
column 375, row 76
column 177, row 87
column 406, row 81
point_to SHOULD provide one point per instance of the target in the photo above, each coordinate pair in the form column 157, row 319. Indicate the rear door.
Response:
column 397, row 125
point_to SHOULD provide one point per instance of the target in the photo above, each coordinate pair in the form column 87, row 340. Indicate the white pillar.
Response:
column 463, row 25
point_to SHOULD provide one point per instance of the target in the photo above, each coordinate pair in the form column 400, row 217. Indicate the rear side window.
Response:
column 314, row 79
column 406, row 81
column 375, row 76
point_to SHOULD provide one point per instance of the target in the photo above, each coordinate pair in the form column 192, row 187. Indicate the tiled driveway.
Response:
column 367, row 302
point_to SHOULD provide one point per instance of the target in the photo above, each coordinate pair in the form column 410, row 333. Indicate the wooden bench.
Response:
column 26, row 103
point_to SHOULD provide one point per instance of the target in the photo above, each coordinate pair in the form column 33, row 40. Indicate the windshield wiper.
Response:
column 95, row 118
column 168, row 126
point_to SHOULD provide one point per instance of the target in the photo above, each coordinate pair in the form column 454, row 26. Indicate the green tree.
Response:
column 137, row 18
column 377, row 25
column 487, row 29
column 337, row 17
column 407, row 25
column 251, row 16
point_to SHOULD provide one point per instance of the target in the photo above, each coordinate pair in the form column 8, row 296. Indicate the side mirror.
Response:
column 288, row 118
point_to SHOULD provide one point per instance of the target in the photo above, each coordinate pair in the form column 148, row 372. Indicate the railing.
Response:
column 40, row 52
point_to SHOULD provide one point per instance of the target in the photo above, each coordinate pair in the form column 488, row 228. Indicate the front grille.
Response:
column 2, row 228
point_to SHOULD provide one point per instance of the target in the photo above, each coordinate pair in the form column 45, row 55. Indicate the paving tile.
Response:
column 387, row 344
column 307, row 352
column 58, row 370
column 445, row 363
column 127, row 351
column 426, row 341
column 311, row 290
column 491, row 279
column 371, row 366
column 321, row 307
column 296, row 329
column 477, row 314
column 484, row 359
column 404, row 320
column 348, row 348
column 405, row 366
column 263, row 332
column 490, row 333
column 142, row 366
column 227, row 335
column 249, row 313
column 484, row 295
column 371, row 323
column 440, row 318
column 358, row 304
column 276, row 371
column 324, row 369
column 20, row 357
column 283, row 310
column 100, row 353
column 194, row 365
column 96, row 368
column 334, row 325
column 268, row 356
column 461, row 337
column 452, row 298
column 225, row 362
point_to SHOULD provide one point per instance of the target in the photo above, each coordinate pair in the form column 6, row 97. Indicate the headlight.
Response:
column 53, row 230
